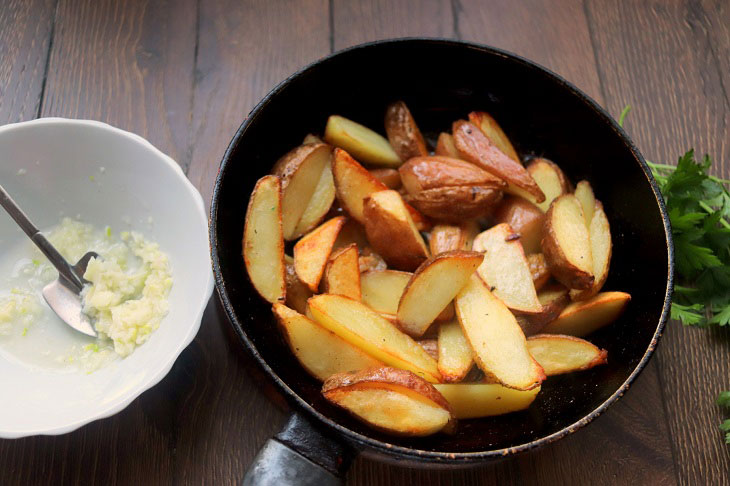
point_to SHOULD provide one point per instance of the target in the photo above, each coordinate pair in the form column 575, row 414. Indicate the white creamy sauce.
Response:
column 127, row 299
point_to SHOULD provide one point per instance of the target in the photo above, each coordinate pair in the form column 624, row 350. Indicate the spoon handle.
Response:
column 40, row 241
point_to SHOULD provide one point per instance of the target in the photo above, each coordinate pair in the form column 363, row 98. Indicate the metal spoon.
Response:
column 63, row 295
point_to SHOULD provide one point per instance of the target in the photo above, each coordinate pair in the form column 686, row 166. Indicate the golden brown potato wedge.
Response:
column 505, row 269
column 476, row 148
column 263, row 240
column 559, row 354
column 445, row 146
column 494, row 132
column 320, row 351
column 433, row 172
column 297, row 293
column 551, row 180
column 524, row 218
column 382, row 290
column 499, row 345
column 554, row 298
column 584, row 317
column 363, row 143
column 353, row 183
column 391, row 231
column 566, row 243
column 319, row 204
column 403, row 133
column 432, row 287
column 351, row 232
column 342, row 275
column 539, row 270
column 455, row 356
column 431, row 346
column 390, row 399
column 474, row 400
column 454, row 204
column 311, row 138
column 453, row 237
column 601, row 247
column 389, row 177
column 300, row 171
column 584, row 193
column 363, row 327
column 312, row 252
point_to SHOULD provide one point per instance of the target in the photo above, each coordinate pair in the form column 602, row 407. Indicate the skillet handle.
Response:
column 300, row 455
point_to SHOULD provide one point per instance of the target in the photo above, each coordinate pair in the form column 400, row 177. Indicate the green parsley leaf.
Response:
column 725, row 427
column 689, row 315
column 723, row 399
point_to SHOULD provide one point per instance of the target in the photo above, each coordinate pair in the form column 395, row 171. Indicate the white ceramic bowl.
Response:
column 45, row 165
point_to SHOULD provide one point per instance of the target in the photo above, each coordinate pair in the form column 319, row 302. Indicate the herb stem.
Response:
column 709, row 210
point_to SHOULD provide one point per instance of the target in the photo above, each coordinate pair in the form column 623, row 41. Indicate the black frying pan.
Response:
column 442, row 81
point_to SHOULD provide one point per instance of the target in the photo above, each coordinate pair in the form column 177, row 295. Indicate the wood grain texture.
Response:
column 244, row 50
column 355, row 22
column 129, row 64
column 25, row 34
column 658, row 56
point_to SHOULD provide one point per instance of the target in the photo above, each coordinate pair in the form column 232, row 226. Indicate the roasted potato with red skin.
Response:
column 586, row 316
column 554, row 298
column 566, row 243
column 300, row 171
column 445, row 146
column 454, row 204
column 391, row 231
column 342, row 274
column 476, row 148
column 558, row 354
column 297, row 293
column 392, row 400
column 525, row 218
column 453, row 237
column 403, row 133
column 539, row 270
column 434, row 172
column 389, row 177
column 551, row 180
column 489, row 127
column 601, row 248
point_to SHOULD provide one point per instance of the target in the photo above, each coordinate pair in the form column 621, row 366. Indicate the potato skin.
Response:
column 403, row 133
column 288, row 164
column 564, row 181
column 560, row 267
column 534, row 323
column 389, row 376
column 455, row 204
column 445, row 146
column 433, row 172
column 389, row 177
column 525, row 218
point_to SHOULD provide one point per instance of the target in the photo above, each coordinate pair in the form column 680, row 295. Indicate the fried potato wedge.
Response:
column 559, row 354
column 455, row 356
column 353, row 183
column 365, row 328
column 319, row 204
column 554, row 298
column 390, row 399
column 505, row 269
column 566, row 243
column 524, row 218
column 431, row 346
column 297, row 293
column 300, row 171
column 432, row 287
column 320, row 351
column 403, row 133
column 363, row 143
column 551, row 180
column 351, row 233
column 446, row 237
column 312, row 252
column 342, row 274
column 391, row 231
column 263, row 240
column 584, row 317
column 433, row 172
column 539, row 271
column 494, row 132
column 389, row 177
column 499, row 345
column 382, row 290
column 601, row 247
column 475, row 147
column 584, row 193
column 454, row 204
column 474, row 400
column 445, row 146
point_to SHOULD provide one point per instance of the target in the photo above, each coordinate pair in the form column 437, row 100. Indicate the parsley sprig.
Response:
column 699, row 210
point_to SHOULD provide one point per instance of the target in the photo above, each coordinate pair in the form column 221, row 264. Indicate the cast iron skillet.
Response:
column 441, row 81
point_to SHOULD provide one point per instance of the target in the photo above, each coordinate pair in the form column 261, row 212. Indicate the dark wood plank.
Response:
column 661, row 57
column 356, row 22
column 25, row 34
column 129, row 64
column 245, row 49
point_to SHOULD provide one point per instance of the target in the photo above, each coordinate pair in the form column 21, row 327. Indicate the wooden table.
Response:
column 185, row 73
